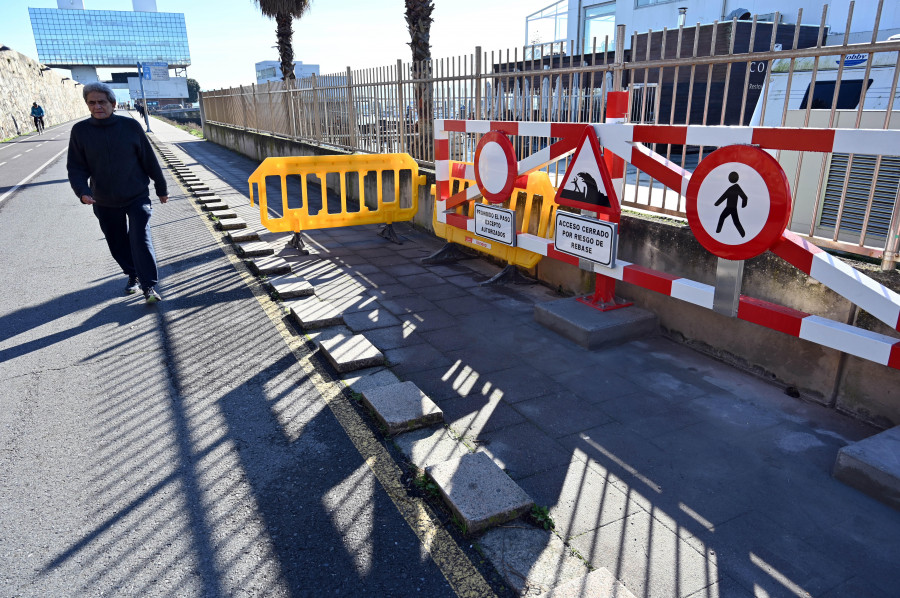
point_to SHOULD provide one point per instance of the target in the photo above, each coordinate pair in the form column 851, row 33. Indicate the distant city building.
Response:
column 270, row 70
column 80, row 40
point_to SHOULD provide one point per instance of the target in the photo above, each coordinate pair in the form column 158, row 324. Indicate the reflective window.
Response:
column 109, row 37
column 599, row 24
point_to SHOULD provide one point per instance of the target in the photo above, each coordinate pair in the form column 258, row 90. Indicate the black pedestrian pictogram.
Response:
column 591, row 193
column 731, row 196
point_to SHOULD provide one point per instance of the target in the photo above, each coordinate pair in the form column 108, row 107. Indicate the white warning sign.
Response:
column 587, row 185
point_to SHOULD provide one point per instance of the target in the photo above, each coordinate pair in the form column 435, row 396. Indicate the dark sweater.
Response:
column 111, row 160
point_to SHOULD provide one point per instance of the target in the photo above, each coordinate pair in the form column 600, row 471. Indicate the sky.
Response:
column 227, row 37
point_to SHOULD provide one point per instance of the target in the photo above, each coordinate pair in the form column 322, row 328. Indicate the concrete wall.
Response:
column 859, row 388
column 22, row 81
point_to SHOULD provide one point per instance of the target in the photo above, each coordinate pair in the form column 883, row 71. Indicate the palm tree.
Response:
column 418, row 20
column 284, row 12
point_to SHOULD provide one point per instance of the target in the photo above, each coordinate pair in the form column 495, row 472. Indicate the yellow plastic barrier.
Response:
column 337, row 190
column 534, row 205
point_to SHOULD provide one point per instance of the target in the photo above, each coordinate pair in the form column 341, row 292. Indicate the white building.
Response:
column 584, row 20
column 270, row 70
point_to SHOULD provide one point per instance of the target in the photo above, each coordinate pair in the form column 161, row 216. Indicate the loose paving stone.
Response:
column 254, row 248
column 202, row 193
column 219, row 205
column 427, row 447
column 289, row 287
column 360, row 380
column 231, row 224
column 209, row 199
column 349, row 353
column 535, row 560
column 402, row 407
column 370, row 319
column 241, row 236
column 270, row 265
column 311, row 313
column 223, row 213
column 478, row 492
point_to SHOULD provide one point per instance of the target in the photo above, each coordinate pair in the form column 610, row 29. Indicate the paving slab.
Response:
column 349, row 353
column 312, row 313
column 223, row 213
column 242, row 236
column 254, row 248
column 291, row 286
column 873, row 466
column 202, row 193
column 594, row 329
column 478, row 492
column 426, row 447
column 402, row 407
column 360, row 380
column 231, row 224
column 599, row 583
column 209, row 199
column 218, row 205
column 269, row 265
column 370, row 319
column 534, row 561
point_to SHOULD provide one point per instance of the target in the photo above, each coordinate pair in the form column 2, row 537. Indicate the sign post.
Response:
column 144, row 74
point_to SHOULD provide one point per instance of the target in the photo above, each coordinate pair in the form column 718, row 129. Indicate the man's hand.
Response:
column 163, row 198
column 87, row 199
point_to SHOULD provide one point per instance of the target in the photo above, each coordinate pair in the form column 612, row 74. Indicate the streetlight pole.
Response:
column 144, row 96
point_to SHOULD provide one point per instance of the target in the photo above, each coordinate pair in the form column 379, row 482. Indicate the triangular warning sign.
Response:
column 587, row 185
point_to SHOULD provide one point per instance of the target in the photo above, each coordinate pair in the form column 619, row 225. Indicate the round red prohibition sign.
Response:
column 738, row 202
column 496, row 168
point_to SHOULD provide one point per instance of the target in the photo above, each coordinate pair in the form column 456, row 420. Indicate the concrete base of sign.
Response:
column 478, row 492
column 270, row 266
column 255, row 249
column 312, row 313
column 232, row 224
column 402, row 407
column 873, row 466
column 593, row 329
column 349, row 353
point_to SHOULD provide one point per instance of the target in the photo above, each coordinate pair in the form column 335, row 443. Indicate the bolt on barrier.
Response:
column 314, row 192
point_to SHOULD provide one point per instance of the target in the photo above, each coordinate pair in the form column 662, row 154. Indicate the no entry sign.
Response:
column 738, row 202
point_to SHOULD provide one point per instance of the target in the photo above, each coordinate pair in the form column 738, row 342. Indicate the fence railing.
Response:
column 719, row 74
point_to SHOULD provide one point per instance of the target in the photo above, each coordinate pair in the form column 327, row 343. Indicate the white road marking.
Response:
column 30, row 176
column 17, row 156
column 28, row 150
column 2, row 163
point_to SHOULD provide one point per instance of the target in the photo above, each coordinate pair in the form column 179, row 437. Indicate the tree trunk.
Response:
column 283, row 33
column 418, row 20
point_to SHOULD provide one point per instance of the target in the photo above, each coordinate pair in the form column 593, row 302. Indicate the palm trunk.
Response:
column 283, row 33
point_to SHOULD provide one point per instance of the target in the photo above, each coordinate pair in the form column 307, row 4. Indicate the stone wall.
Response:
column 23, row 81
column 859, row 388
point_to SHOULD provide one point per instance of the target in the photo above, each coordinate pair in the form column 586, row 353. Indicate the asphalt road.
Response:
column 175, row 450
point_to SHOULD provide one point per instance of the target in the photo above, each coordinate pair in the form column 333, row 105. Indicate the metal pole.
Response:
column 144, row 96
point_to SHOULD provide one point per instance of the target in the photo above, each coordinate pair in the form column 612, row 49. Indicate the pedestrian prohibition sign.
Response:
column 738, row 202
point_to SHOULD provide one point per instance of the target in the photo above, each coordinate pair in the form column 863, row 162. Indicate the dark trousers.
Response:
column 127, row 232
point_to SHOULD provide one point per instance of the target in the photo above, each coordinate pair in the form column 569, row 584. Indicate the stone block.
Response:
column 219, row 205
column 209, row 199
column 269, row 265
column 592, row 328
column 242, row 236
column 231, row 224
column 402, row 407
column 360, row 380
column 222, row 214
column 873, row 466
column 428, row 447
column 291, row 287
column 349, row 353
column 254, row 249
column 311, row 313
column 478, row 492
column 202, row 193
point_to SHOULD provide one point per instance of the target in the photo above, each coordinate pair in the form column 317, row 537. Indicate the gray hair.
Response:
column 102, row 88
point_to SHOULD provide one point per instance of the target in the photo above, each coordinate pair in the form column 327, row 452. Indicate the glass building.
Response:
column 109, row 38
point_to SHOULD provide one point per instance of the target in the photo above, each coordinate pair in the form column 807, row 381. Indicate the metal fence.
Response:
column 732, row 73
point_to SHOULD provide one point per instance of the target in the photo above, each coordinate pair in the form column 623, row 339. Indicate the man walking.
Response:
column 110, row 165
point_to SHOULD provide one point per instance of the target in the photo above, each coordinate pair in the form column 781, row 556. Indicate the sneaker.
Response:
column 133, row 286
column 151, row 295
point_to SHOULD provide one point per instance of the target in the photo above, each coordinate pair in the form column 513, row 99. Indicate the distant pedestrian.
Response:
column 110, row 165
column 37, row 113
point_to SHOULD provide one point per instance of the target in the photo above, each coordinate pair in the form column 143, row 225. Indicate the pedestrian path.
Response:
column 668, row 472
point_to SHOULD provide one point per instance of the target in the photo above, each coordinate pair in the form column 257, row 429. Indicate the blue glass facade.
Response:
column 109, row 38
